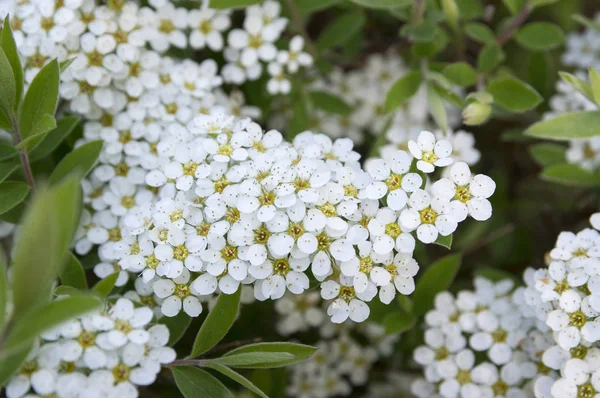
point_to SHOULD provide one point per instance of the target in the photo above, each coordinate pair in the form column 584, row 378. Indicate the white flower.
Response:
column 294, row 58
column 429, row 152
column 429, row 216
column 177, row 293
column 207, row 26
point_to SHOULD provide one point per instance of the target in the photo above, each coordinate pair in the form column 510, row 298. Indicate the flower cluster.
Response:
column 107, row 353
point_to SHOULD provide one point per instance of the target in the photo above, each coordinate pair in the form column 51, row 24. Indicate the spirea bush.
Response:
column 299, row 198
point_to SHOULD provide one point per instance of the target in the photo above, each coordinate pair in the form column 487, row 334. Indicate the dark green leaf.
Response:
column 235, row 376
column 8, row 167
column 177, row 325
column 104, row 286
column 540, row 36
column 437, row 108
column 53, row 139
column 301, row 351
column 10, row 50
column 438, row 277
column 329, row 103
column 308, row 6
column 567, row 127
column 7, row 152
column 540, row 3
column 11, row 194
column 571, row 175
column 490, row 56
column 3, row 289
column 382, row 3
column 423, row 32
column 402, row 90
column 43, row 125
column 398, row 322
column 73, row 274
column 340, row 30
column 222, row 4
column 480, row 32
column 514, row 5
column 40, row 100
column 514, row 95
column 461, row 74
column 547, row 154
column 81, row 159
column 7, row 91
column 253, row 360
column 217, row 323
column 445, row 241
column 10, row 363
column 470, row 9
column 196, row 383
column 300, row 121
column 495, row 274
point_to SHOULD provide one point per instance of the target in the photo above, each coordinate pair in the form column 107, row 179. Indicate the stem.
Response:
column 418, row 13
column 298, row 24
column 24, row 157
column 515, row 24
column 187, row 362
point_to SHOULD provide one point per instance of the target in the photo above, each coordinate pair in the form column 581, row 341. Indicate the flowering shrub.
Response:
column 170, row 168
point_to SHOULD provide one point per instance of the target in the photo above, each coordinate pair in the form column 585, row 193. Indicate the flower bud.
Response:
column 476, row 113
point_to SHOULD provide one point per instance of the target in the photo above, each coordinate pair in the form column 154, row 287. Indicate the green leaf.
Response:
column 341, row 30
column 444, row 241
column 10, row 50
column 40, row 101
column 64, row 65
column 8, row 167
column 52, row 140
column 567, row 126
column 438, row 277
column 7, row 91
column 222, row 4
column 422, row 33
column 81, row 159
column 540, row 36
column 480, row 32
column 404, row 88
column 299, row 122
column 547, row 154
column 3, row 290
column 177, row 325
column 437, row 108
column 73, row 274
column 514, row 5
column 104, row 286
column 382, row 3
column 43, row 125
column 300, row 351
column 495, row 274
column 11, row 194
column 470, row 9
column 10, row 363
column 329, row 103
column 196, row 383
column 514, row 95
column 461, row 74
column 490, row 56
column 587, row 22
column 7, row 152
column 217, row 323
column 398, row 322
column 235, row 376
column 36, row 322
column 255, row 360
column 64, row 290
column 571, row 175
column 540, row 3
column 595, row 84
column 308, row 6
column 580, row 85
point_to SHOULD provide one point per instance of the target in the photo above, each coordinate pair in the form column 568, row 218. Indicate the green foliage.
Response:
column 540, row 36
column 580, row 85
column 341, row 30
column 222, row 4
column 217, row 323
column 194, row 383
column 402, row 90
column 490, row 56
column 307, row 6
column 514, row 5
column 299, row 352
column 7, row 93
column 480, row 32
column 10, row 50
column 595, row 85
column 11, row 194
column 7, row 152
column 81, row 161
column 436, row 107
column 177, row 325
column 444, row 241
column 3, row 289
column 73, row 274
column 546, row 154
column 52, row 140
column 438, row 277
column 235, row 376
column 383, row 4
column 571, row 175
column 106, row 285
column 329, row 103
column 399, row 321
column 461, row 74
column 253, row 360
column 567, row 126
column 514, row 95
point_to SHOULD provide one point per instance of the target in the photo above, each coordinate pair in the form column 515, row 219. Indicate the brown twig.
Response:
column 514, row 25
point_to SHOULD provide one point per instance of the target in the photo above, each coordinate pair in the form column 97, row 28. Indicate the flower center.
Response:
column 323, row 241
column 255, row 41
column 463, row 194
column 86, row 339
column 347, row 293
column 171, row 108
column 499, row 335
column 47, row 23
column 229, row 253
column 182, row 290
column 394, row 181
column 123, row 326
column 190, row 168
column 428, row 215
column 121, row 373
column 441, row 353
column 203, row 229
column 295, row 230
column 561, row 286
column 393, row 230
column 166, row 26
column 152, row 262
column 366, row 264
column 586, row 390
column 261, row 235
column 232, row 215
column 180, row 252
column 127, row 202
column 579, row 352
column 500, row 388
column 66, row 367
column 121, row 169
column 301, row 183
column 114, row 235
column 225, row 150
column 463, row 377
column 134, row 249
column 267, row 198
column 350, row 190
column 328, row 210
column 578, row 319
column 29, row 367
column 429, row 157
column 221, row 184
column 176, row 215
column 281, row 266
column 95, row 58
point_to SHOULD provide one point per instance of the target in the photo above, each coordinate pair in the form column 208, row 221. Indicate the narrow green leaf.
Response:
column 438, row 277
column 540, row 3
column 254, row 360
column 217, row 323
column 329, row 103
column 570, row 175
column 437, row 108
column 7, row 90
column 196, row 383
column 461, row 74
column 444, row 241
column 567, row 126
column 235, row 376
column 398, row 322
column 52, row 140
column 547, row 154
column 490, row 56
column 8, row 167
column 341, row 30
column 308, row 6
column 64, row 290
column 301, row 351
column 40, row 100
column 36, row 322
column 580, row 85
column 104, row 286
column 382, row 3
column 514, row 5
column 595, row 85
column 43, row 125
column 10, row 363
column 7, row 152
column 64, row 65
column 587, row 22
column 404, row 88
column 514, row 95
column 177, row 325
column 81, row 159
column 480, row 32
column 73, row 274
column 540, row 36
column 11, row 194
column 10, row 50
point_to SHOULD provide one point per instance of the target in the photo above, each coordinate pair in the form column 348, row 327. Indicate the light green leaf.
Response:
column 64, row 290
column 308, row 6
column 567, row 126
column 490, row 56
column 470, row 9
column 301, row 351
column 461, row 74
column 177, row 325
column 40, row 100
column 438, row 277
column 422, row 33
column 547, row 154
column 10, row 363
column 104, row 286
column 7, row 92
column 571, row 175
column 43, row 125
column 514, row 5
column 196, row 383
column 398, row 321
column 11, row 194
column 41, row 319
column 404, row 88
column 7, row 152
column 8, row 167
column 52, row 140
column 3, row 290
column 480, row 32
column 73, row 274
column 341, row 30
column 10, row 50
column 437, row 108
column 235, row 376
column 254, row 360
column 222, row 4
column 540, row 3
column 580, row 85
column 81, row 159
column 329, row 103
column 217, row 323
column 587, row 22
column 595, row 85
column 540, row 36
column 64, row 65
column 514, row 95
column 444, row 241
column 382, row 3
